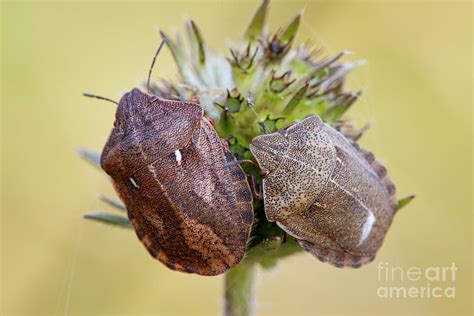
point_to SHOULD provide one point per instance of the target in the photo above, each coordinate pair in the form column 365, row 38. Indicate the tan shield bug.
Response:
column 190, row 205
column 331, row 195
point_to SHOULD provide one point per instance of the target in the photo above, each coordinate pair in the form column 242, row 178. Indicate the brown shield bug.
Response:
column 331, row 195
column 190, row 204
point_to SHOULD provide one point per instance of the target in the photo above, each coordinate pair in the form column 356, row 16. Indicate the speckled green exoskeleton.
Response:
column 331, row 195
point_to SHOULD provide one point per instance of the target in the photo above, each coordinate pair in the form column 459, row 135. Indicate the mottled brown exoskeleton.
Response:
column 331, row 195
column 190, row 210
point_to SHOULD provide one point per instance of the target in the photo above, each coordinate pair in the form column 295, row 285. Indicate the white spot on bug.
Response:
column 134, row 183
column 367, row 227
column 178, row 157
column 369, row 222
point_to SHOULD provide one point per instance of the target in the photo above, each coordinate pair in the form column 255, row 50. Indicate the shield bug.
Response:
column 331, row 195
column 189, row 203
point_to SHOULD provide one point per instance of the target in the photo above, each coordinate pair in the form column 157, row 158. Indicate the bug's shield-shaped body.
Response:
column 167, row 164
column 326, row 191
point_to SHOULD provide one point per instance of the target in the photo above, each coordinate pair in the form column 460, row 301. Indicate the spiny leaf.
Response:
column 226, row 124
column 279, row 83
column 255, row 28
column 197, row 43
column 187, row 74
column 339, row 72
column 403, row 202
column 295, row 100
column 245, row 60
column 175, row 51
column 348, row 129
column 91, row 156
column 327, row 62
column 289, row 33
column 340, row 107
column 114, row 203
column 110, row 219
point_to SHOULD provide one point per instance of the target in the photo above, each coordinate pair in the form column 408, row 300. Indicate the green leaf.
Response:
column 238, row 150
column 91, row 156
column 289, row 33
column 278, row 84
column 403, row 202
column 197, row 43
column 343, row 103
column 270, row 125
column 295, row 100
column 110, row 219
column 327, row 62
column 114, row 203
column 176, row 51
column 181, row 60
column 348, row 129
column 225, row 126
column 255, row 28
column 339, row 72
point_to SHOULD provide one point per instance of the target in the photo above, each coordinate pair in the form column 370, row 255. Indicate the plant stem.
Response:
column 239, row 290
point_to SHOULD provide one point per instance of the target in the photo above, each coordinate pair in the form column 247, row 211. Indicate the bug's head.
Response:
column 269, row 149
column 132, row 105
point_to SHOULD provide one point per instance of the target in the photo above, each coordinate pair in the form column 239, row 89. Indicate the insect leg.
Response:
column 257, row 193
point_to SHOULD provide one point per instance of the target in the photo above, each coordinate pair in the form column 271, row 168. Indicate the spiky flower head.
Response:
column 264, row 84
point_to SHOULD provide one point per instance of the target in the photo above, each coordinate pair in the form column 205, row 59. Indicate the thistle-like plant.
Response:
column 263, row 85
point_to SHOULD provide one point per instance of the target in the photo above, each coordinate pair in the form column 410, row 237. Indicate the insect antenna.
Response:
column 153, row 63
column 257, row 193
column 99, row 97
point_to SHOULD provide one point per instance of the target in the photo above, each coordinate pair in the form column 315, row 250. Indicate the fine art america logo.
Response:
column 416, row 282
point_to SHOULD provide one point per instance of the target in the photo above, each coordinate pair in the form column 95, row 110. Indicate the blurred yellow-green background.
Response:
column 417, row 96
